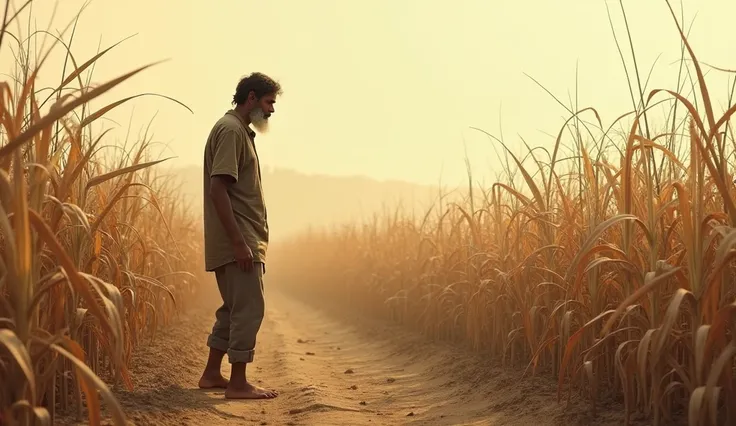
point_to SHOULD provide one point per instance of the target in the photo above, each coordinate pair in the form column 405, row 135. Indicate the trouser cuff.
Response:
column 218, row 343
column 240, row 356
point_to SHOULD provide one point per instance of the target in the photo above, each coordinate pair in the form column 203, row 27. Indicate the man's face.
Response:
column 262, row 111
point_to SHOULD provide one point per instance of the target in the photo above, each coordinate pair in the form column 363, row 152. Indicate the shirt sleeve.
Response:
column 226, row 154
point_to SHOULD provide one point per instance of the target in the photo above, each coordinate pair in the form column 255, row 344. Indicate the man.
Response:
column 236, row 234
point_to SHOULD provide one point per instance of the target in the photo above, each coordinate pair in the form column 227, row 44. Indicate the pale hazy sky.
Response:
column 384, row 88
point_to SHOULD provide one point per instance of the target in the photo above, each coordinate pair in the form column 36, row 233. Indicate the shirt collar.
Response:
column 250, row 131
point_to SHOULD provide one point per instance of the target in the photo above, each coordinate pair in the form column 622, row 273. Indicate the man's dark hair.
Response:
column 259, row 83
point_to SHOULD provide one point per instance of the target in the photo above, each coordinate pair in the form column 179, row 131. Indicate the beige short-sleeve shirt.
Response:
column 230, row 150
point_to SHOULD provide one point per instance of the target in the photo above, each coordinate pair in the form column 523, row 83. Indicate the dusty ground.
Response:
column 332, row 372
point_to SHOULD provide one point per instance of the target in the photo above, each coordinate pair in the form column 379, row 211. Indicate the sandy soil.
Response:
column 333, row 371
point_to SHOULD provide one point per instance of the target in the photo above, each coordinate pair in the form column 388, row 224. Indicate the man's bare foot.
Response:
column 212, row 381
column 249, row 391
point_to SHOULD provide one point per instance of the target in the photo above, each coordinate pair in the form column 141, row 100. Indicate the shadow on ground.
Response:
column 173, row 401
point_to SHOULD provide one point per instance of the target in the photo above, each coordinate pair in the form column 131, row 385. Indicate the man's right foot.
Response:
column 213, row 381
column 249, row 391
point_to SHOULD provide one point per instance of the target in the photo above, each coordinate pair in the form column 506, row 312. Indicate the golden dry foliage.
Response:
column 94, row 255
column 616, row 278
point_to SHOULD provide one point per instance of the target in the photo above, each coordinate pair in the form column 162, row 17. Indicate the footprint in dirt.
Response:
column 320, row 407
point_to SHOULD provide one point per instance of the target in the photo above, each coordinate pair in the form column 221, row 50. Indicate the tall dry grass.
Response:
column 97, row 249
column 611, row 268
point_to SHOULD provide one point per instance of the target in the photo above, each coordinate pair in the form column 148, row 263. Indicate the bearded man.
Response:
column 236, row 234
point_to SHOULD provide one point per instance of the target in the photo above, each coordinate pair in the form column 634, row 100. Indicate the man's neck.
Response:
column 243, row 114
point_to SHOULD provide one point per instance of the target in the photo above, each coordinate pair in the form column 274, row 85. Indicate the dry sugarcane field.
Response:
column 589, row 279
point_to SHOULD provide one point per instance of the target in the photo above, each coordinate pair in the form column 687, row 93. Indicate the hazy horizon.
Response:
column 394, row 104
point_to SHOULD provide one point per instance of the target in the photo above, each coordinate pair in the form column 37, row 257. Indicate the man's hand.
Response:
column 243, row 256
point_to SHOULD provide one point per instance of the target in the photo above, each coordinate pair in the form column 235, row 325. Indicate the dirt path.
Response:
column 330, row 372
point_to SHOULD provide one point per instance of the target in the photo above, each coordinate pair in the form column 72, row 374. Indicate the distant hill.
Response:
column 297, row 201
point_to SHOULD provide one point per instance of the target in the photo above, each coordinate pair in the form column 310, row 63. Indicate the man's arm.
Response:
column 223, row 174
column 220, row 198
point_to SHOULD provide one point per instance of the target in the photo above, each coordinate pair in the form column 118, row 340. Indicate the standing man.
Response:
column 236, row 234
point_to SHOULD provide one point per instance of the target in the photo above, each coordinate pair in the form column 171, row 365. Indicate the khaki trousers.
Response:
column 239, row 318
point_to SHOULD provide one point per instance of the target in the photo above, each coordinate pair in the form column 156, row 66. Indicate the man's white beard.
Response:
column 258, row 120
